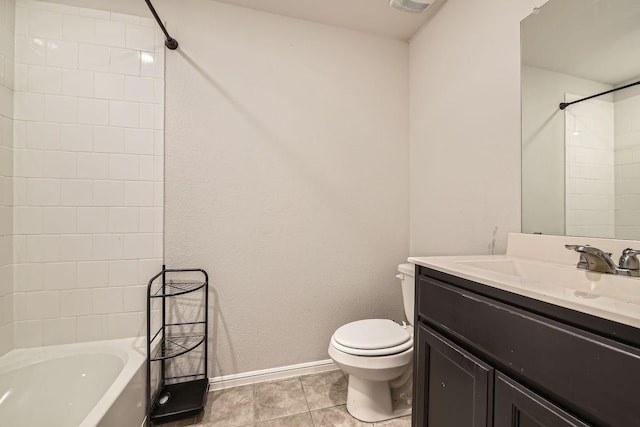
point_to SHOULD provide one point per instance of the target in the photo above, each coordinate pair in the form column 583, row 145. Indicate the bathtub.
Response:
column 96, row 384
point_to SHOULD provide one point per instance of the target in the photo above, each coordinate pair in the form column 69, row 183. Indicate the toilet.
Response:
column 377, row 355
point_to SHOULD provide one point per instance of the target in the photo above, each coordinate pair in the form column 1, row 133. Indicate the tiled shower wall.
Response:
column 7, row 11
column 88, row 168
column 590, row 181
column 627, row 166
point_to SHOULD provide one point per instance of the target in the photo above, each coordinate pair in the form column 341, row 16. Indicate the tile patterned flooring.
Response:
column 309, row 401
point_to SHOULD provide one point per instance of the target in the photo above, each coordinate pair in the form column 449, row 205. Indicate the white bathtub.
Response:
column 77, row 385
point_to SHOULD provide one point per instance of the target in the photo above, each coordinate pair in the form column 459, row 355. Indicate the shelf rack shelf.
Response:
column 175, row 397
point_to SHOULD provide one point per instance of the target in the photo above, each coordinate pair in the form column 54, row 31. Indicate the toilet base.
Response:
column 371, row 401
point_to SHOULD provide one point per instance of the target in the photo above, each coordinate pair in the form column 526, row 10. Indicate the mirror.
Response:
column 581, row 165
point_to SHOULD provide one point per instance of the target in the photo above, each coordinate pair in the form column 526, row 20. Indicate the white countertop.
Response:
column 608, row 296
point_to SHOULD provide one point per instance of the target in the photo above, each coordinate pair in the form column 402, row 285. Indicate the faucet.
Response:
column 594, row 259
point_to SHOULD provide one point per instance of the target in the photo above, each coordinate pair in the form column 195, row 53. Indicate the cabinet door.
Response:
column 516, row 406
column 451, row 387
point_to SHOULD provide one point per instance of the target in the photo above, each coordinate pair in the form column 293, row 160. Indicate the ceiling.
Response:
column 592, row 39
column 371, row 16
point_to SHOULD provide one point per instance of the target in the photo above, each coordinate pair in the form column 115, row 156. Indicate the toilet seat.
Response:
column 372, row 337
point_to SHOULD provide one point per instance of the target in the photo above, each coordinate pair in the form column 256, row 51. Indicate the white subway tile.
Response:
column 37, row 305
column 76, row 193
column 108, row 246
column 138, row 246
column 92, row 328
column 138, row 193
column 19, row 134
column 43, row 192
column 78, row 29
column 147, row 116
column 28, row 106
column 147, row 218
column 140, row 37
column 28, row 277
column 20, row 191
column 107, row 300
column 76, row 247
column 92, row 274
column 158, row 245
column 61, row 109
column 76, row 137
column 45, row 24
column 44, row 79
column 59, row 331
column 22, row 21
column 146, row 164
column 30, row 50
column 158, row 194
column 148, row 269
column 62, row 54
column 76, row 302
column 159, row 117
column 135, row 297
column 123, row 166
column 109, row 86
column 94, row 13
column 127, row 19
column 93, row 111
column 93, row 165
column 108, row 140
column 28, row 334
column 159, row 91
column 93, row 220
column 158, row 168
column 43, row 136
column 94, row 58
column 59, row 164
column 124, row 114
column 59, row 276
column 123, row 220
column 21, row 78
column 125, row 61
column 110, row 33
column 108, row 193
column 59, row 220
column 147, row 64
column 140, row 89
column 138, row 141
column 29, row 163
column 28, row 220
column 122, row 273
column 77, row 83
column 123, row 325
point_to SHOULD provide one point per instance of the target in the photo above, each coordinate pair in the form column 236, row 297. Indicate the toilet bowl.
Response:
column 377, row 354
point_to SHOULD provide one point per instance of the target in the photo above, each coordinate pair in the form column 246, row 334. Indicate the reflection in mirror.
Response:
column 581, row 165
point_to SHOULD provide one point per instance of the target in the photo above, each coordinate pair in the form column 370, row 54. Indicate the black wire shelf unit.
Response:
column 184, row 396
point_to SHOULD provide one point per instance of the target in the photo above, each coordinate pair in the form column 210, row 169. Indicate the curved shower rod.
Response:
column 170, row 43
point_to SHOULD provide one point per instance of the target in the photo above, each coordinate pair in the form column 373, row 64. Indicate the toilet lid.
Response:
column 371, row 334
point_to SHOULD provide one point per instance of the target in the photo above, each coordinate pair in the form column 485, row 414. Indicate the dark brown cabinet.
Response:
column 484, row 358
column 455, row 387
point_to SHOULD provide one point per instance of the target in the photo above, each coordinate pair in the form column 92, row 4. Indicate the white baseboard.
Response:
column 280, row 373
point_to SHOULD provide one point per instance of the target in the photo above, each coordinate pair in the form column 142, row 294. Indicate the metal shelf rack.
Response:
column 175, row 399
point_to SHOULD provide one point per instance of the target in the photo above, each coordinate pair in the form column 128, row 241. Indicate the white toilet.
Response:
column 377, row 354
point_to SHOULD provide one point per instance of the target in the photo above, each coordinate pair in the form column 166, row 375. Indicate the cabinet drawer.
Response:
column 596, row 378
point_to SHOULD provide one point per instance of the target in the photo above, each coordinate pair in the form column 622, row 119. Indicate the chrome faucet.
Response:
column 594, row 259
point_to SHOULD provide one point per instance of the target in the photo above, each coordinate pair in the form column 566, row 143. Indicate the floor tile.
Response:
column 298, row 420
column 230, row 407
column 325, row 390
column 278, row 399
column 336, row 417
column 396, row 422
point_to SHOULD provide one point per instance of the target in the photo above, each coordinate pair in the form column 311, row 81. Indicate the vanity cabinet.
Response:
column 487, row 357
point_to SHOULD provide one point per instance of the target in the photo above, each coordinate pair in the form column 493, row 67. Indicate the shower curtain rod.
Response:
column 171, row 43
column 564, row 105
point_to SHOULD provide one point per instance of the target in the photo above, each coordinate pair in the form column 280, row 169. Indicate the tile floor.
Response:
column 309, row 401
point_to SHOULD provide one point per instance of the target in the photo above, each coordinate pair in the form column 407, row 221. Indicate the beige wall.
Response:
column 286, row 177
column 465, row 127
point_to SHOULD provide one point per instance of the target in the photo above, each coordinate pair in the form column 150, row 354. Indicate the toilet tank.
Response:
column 407, row 277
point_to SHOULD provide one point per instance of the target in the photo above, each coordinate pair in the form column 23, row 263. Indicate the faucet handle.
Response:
column 628, row 260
